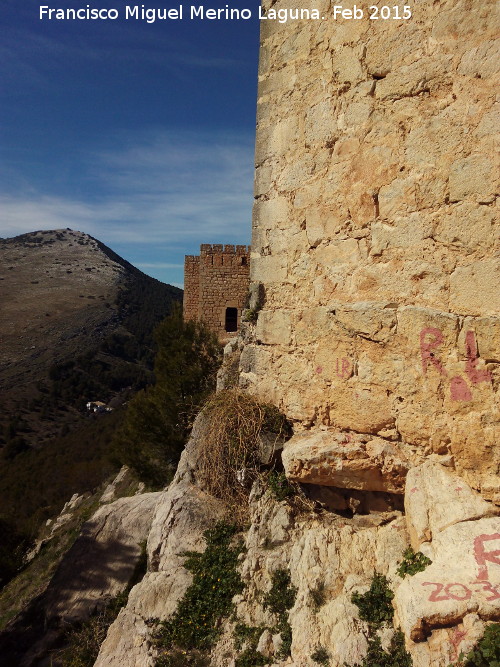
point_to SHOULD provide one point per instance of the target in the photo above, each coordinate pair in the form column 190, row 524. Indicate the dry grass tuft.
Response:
column 231, row 453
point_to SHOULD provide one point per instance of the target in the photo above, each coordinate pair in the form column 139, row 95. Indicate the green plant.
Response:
column 195, row 624
column 486, row 653
column 321, row 656
column 247, row 637
column 281, row 596
column 412, row 563
column 318, row 595
column 375, row 605
column 279, row 599
column 251, row 314
column 279, row 485
column 159, row 418
column 396, row 656
column 247, row 634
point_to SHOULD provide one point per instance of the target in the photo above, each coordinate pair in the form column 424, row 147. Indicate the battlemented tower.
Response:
column 216, row 286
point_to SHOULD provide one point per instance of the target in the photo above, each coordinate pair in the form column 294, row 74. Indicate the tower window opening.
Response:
column 231, row 319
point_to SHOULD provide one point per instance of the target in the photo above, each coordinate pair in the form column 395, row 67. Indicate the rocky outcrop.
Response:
column 460, row 532
column 345, row 460
column 184, row 511
column 99, row 565
column 101, row 562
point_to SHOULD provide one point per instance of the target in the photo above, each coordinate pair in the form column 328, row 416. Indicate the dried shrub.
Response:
column 230, row 457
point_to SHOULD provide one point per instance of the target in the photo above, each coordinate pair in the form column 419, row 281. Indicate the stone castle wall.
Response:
column 214, row 281
column 374, row 229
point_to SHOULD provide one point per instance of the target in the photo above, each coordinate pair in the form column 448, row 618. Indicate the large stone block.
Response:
column 345, row 460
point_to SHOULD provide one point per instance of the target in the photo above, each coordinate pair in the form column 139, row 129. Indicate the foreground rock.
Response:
column 99, row 566
column 460, row 533
column 345, row 460
column 182, row 515
column 102, row 561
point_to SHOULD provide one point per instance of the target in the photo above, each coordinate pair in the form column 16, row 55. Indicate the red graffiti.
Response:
column 427, row 346
column 343, row 370
column 319, row 369
column 483, row 556
column 473, row 373
column 430, row 339
column 448, row 591
column 459, row 389
column 487, row 586
column 455, row 641
column 414, row 489
column 459, row 591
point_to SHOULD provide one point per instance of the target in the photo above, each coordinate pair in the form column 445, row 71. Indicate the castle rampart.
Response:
column 216, row 286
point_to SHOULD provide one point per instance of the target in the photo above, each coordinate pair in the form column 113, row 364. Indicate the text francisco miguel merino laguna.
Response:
column 193, row 12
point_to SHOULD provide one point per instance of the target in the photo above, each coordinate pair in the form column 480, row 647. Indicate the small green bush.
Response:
column 397, row 656
column 486, row 653
column 281, row 596
column 318, row 595
column 247, row 634
column 279, row 485
column 279, row 599
column 412, row 563
column 375, row 605
column 251, row 314
column 321, row 656
column 196, row 623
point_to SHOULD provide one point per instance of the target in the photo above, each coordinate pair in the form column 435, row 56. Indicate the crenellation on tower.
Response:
column 216, row 286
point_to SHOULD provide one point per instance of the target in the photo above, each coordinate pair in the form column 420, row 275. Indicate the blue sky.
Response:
column 139, row 134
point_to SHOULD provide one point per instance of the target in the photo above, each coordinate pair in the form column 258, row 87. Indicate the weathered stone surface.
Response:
column 436, row 499
column 374, row 230
column 463, row 578
column 455, row 528
column 345, row 460
column 101, row 562
column 324, row 553
column 183, row 513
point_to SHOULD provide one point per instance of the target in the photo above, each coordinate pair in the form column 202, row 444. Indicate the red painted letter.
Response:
column 427, row 345
column 475, row 376
column 482, row 556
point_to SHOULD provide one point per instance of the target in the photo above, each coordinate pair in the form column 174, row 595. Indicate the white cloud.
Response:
column 166, row 188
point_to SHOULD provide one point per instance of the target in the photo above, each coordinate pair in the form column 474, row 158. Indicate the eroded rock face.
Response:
column 460, row 533
column 436, row 499
column 182, row 515
column 345, row 460
column 101, row 562
column 321, row 552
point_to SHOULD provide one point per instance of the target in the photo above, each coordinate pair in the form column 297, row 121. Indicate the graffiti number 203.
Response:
column 458, row 591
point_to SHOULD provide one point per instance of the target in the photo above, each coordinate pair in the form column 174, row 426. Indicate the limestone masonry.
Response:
column 375, row 235
column 216, row 286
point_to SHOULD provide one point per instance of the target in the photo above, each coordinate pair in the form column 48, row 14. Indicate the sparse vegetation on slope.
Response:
column 159, row 419
column 187, row 637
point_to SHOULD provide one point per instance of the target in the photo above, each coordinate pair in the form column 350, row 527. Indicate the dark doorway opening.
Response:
column 231, row 319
